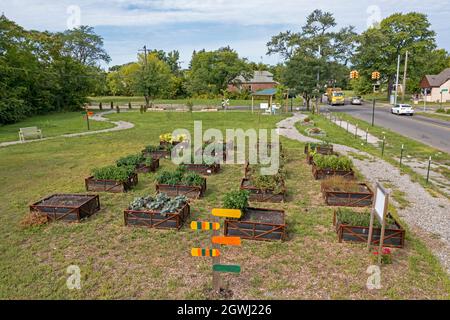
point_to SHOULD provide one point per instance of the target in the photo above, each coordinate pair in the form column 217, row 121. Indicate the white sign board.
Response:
column 380, row 203
column 264, row 106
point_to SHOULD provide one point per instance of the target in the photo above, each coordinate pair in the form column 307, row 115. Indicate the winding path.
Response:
column 427, row 216
column 119, row 126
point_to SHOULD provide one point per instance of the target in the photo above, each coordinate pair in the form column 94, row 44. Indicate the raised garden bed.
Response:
column 258, row 224
column 260, row 195
column 361, row 198
column 394, row 234
column 310, row 156
column 145, row 168
column 155, row 218
column 67, row 207
column 319, row 148
column 320, row 174
column 114, row 186
column 203, row 169
column 192, row 192
column 157, row 153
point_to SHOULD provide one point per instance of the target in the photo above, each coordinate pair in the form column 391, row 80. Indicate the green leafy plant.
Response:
column 236, row 200
column 180, row 177
column 340, row 184
column 358, row 219
column 161, row 203
column 113, row 173
column 131, row 161
column 333, row 162
column 152, row 148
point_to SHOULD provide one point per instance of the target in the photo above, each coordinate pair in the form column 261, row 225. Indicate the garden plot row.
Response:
column 341, row 189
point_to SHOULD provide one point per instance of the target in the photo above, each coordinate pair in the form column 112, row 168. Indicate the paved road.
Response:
column 433, row 132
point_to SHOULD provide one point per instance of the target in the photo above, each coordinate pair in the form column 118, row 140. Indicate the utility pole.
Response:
column 396, row 80
column 145, row 68
column 404, row 77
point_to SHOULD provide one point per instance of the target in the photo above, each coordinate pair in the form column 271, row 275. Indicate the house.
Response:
column 433, row 85
column 261, row 80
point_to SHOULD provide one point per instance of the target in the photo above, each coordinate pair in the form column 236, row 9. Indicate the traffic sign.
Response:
column 227, row 268
column 198, row 225
column 227, row 241
column 227, row 213
column 200, row 252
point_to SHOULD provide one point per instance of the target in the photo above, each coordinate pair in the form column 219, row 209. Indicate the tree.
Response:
column 316, row 56
column 85, row 46
column 378, row 48
column 212, row 71
column 152, row 78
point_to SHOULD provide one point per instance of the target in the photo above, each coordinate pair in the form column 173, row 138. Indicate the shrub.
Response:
column 113, row 173
column 236, row 200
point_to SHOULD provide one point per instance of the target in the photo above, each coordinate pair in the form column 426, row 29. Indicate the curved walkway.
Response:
column 119, row 126
column 427, row 216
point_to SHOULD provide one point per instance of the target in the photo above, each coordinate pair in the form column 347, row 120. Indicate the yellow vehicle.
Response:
column 335, row 97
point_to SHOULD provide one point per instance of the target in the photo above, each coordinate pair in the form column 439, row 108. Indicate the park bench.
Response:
column 30, row 132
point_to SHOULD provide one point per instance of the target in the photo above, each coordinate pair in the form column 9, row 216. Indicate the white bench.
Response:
column 30, row 132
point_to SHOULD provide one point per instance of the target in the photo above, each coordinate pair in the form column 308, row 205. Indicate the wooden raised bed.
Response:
column 203, row 169
column 322, row 149
column 364, row 198
column 320, row 174
column 394, row 235
column 157, row 154
column 67, row 207
column 258, row 224
column 259, row 195
column 113, row 186
column 191, row 192
column 142, row 168
column 154, row 219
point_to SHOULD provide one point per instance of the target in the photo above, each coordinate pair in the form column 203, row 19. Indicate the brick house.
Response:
column 433, row 85
column 261, row 80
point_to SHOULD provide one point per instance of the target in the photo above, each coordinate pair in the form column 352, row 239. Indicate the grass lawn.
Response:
column 118, row 262
column 197, row 102
column 52, row 125
column 434, row 116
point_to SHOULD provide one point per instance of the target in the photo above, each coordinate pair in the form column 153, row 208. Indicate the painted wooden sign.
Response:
column 226, row 268
column 228, row 241
column 227, row 213
column 198, row 225
column 200, row 252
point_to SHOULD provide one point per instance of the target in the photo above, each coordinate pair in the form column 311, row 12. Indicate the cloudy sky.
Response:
column 187, row 25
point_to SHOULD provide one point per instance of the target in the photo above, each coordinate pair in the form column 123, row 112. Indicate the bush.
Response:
column 13, row 110
column 236, row 200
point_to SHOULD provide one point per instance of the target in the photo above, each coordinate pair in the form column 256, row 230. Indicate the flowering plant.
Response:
column 386, row 255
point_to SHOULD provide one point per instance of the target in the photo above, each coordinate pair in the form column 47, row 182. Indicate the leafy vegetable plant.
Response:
column 131, row 161
column 236, row 200
column 113, row 173
column 180, row 177
column 161, row 203
column 333, row 162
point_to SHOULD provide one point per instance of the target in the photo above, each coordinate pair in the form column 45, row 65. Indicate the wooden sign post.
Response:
column 380, row 210
column 217, row 241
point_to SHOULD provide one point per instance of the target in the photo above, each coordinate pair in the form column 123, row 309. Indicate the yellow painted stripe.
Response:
column 227, row 213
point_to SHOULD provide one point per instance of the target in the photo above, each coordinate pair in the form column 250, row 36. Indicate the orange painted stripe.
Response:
column 199, row 252
column 228, row 241
column 227, row 213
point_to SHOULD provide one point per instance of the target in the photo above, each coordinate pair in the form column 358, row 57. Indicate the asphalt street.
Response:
column 433, row 132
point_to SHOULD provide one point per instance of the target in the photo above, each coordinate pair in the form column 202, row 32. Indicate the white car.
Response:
column 404, row 109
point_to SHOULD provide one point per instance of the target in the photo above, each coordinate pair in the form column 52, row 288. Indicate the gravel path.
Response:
column 427, row 216
column 119, row 126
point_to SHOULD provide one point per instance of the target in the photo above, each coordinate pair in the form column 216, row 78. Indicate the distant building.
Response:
column 261, row 80
column 434, row 84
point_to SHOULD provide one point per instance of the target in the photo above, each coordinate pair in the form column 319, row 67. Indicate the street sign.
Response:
column 227, row 241
column 200, row 252
column 444, row 90
column 198, row 225
column 226, row 268
column 227, row 213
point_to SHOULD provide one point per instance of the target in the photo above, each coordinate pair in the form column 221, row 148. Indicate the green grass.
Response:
column 121, row 263
column 55, row 124
column 197, row 102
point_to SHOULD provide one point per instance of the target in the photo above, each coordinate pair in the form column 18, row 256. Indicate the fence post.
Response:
column 428, row 172
column 401, row 156
column 382, row 149
column 367, row 135
column 356, row 131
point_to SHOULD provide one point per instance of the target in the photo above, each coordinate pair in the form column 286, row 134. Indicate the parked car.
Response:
column 356, row 101
column 402, row 109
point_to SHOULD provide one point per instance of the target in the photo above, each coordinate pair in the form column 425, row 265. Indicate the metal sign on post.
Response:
column 380, row 210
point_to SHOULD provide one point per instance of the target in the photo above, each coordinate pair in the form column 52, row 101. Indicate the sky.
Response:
column 188, row 25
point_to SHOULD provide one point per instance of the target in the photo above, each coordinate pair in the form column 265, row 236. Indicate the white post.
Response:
column 253, row 100
column 396, row 80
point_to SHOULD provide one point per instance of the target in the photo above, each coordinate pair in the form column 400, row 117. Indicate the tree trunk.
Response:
column 147, row 101
column 389, row 90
